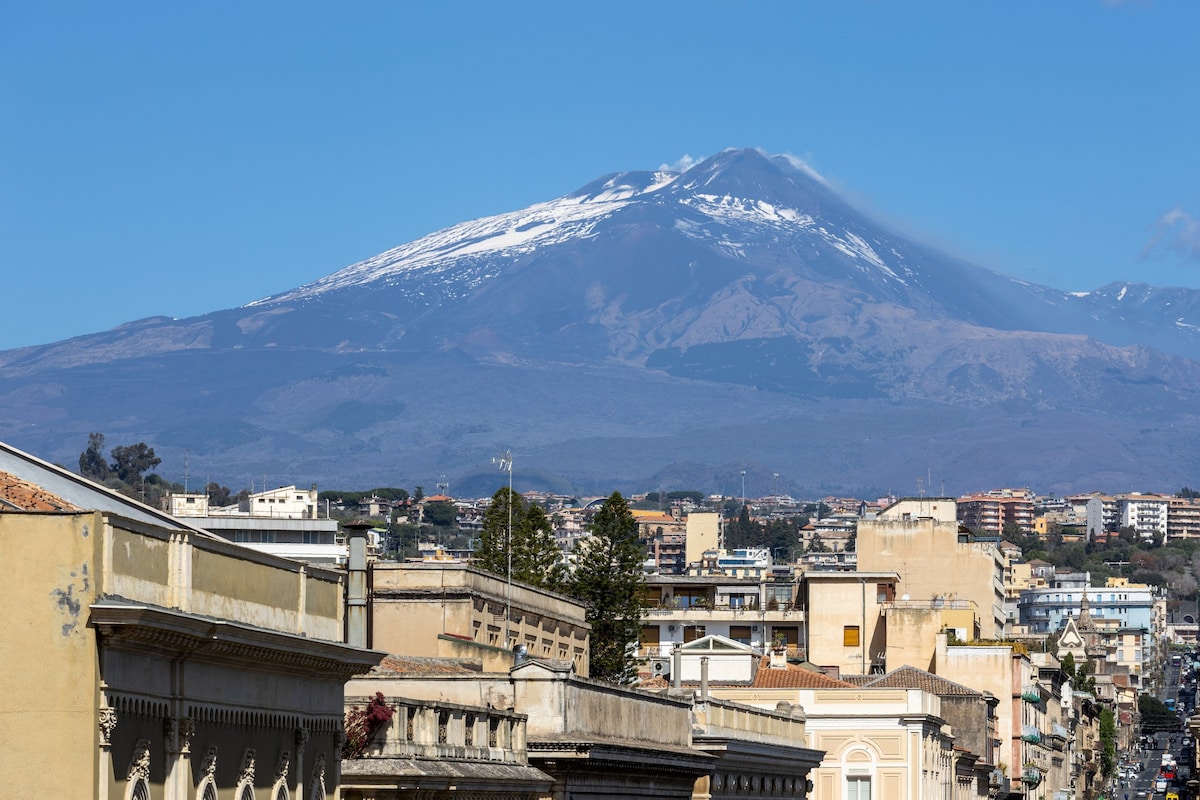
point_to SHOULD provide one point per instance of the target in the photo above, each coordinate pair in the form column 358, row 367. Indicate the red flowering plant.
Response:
column 363, row 723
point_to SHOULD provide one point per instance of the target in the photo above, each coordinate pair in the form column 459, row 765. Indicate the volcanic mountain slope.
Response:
column 683, row 313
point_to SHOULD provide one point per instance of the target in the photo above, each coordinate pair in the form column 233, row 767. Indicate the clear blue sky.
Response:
column 182, row 157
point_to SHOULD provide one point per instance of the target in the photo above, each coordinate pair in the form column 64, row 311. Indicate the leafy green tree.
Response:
column 1108, row 743
column 91, row 461
column 441, row 513
column 608, row 578
column 130, row 462
column 218, row 495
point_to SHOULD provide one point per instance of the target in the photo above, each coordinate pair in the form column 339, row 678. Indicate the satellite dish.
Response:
column 904, row 597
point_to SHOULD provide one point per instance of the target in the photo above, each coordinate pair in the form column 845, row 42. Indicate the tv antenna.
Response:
column 505, row 462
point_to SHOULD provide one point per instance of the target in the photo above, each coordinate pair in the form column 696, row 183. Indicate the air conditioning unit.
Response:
column 660, row 667
column 670, row 627
column 756, row 629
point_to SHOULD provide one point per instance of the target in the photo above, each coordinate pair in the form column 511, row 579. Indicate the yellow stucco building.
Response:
column 146, row 659
column 936, row 558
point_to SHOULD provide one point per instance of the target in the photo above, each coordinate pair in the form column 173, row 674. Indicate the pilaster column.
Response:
column 177, row 741
column 106, row 720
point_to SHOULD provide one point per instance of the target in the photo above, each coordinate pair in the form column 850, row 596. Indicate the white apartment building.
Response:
column 283, row 522
column 1145, row 513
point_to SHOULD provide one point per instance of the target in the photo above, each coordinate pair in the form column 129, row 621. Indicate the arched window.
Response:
column 139, row 789
column 281, row 791
column 246, row 791
column 207, row 790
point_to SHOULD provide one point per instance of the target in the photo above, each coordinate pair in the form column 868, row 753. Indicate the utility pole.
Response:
column 743, row 490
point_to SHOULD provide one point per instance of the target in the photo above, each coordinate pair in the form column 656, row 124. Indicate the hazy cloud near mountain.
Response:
column 1175, row 232
column 684, row 163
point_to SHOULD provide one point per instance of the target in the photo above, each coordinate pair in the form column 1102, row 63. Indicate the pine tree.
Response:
column 608, row 578
column 536, row 559
column 492, row 552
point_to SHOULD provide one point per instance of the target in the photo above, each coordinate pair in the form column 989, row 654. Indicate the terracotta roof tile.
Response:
column 796, row 678
column 793, row 677
column 21, row 495
column 426, row 666
column 912, row 678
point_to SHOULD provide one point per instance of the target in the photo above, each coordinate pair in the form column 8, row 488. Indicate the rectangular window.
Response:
column 740, row 633
column 692, row 632
column 884, row 592
column 650, row 637
column 858, row 788
column 850, row 636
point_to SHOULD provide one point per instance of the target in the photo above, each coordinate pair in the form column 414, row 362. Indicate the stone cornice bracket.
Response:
column 301, row 738
column 139, row 764
column 341, row 740
column 178, row 732
column 187, row 729
column 246, row 773
column 107, row 721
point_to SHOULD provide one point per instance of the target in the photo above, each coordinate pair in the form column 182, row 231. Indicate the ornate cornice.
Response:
column 172, row 632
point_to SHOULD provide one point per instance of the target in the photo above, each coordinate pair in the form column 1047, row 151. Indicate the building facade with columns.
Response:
column 148, row 659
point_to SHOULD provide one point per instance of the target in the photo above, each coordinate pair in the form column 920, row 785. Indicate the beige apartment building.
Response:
column 703, row 533
column 935, row 557
column 452, row 610
column 990, row 512
column 1004, row 671
column 846, row 630
column 147, row 659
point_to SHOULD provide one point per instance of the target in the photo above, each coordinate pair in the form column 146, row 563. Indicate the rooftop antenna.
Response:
column 504, row 461
column 442, row 485
column 185, row 470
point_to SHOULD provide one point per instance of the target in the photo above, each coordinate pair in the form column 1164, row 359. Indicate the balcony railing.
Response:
column 669, row 606
column 444, row 731
column 664, row 649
